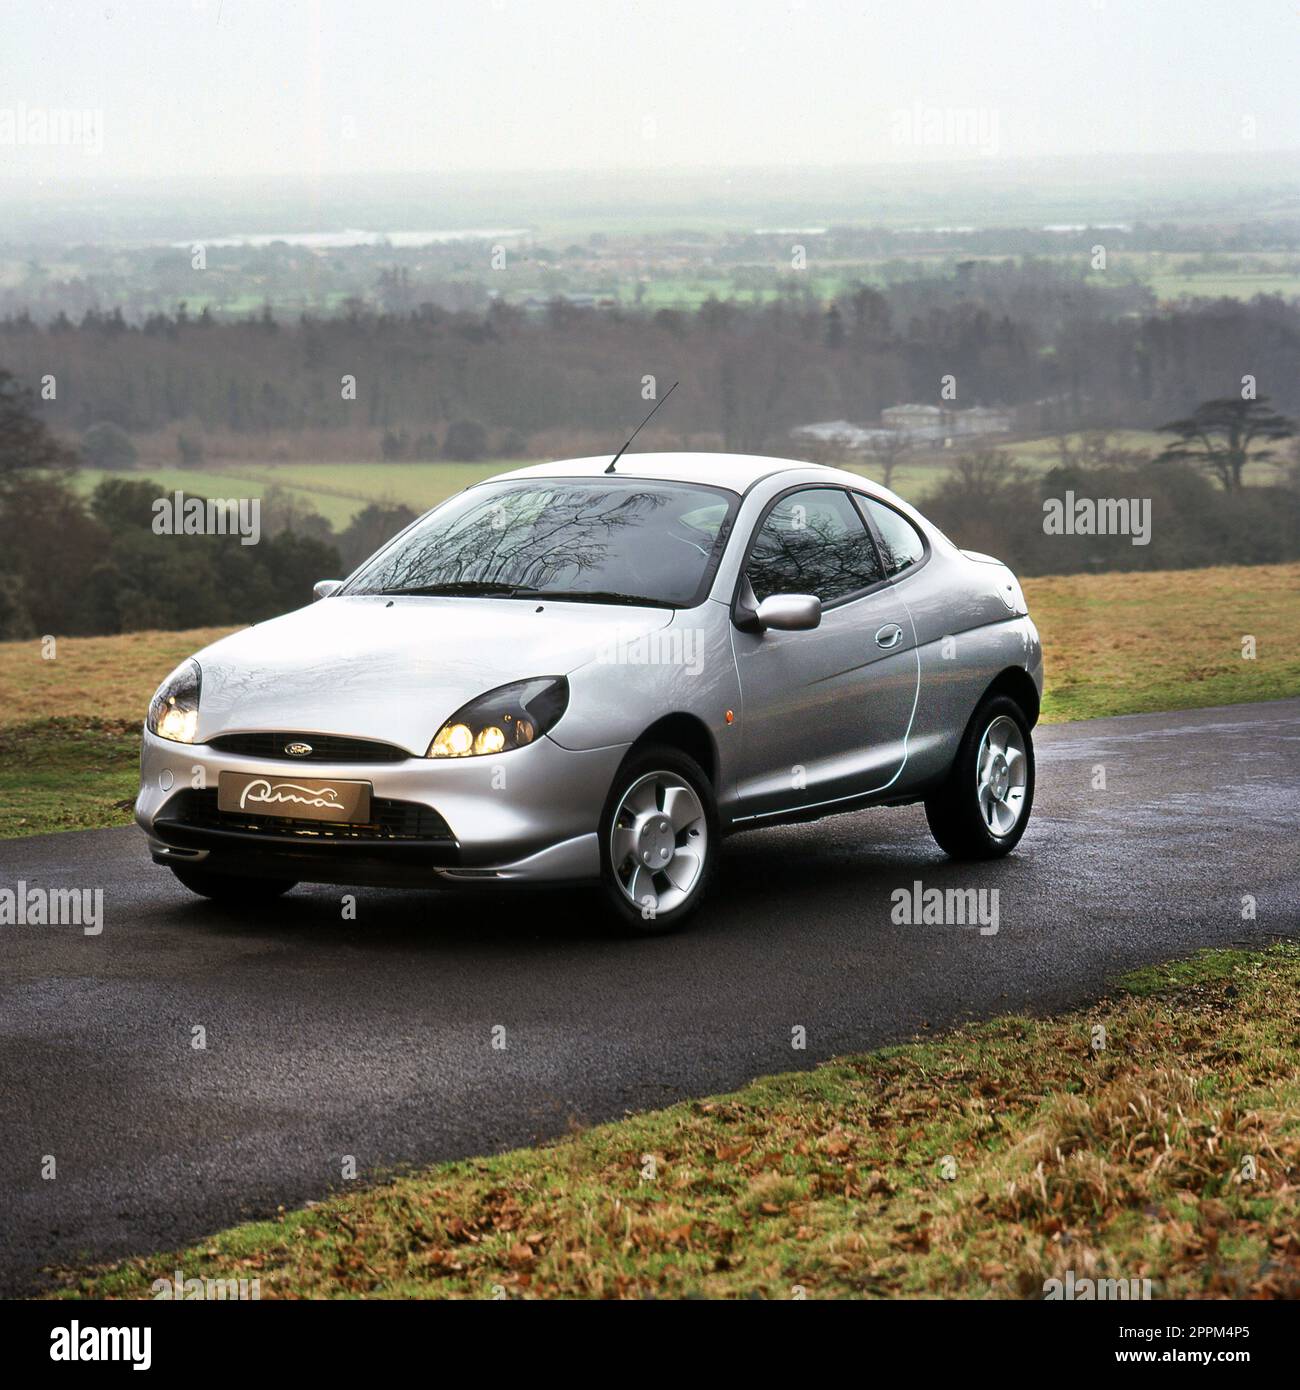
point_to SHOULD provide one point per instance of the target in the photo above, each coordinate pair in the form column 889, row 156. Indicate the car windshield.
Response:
column 595, row 540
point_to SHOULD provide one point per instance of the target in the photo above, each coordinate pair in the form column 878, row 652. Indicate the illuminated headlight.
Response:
column 174, row 710
column 509, row 717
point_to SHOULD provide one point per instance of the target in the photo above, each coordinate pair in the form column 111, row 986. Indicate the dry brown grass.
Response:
column 1170, row 639
column 108, row 677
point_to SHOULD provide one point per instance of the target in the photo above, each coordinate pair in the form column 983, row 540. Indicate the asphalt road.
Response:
column 374, row 1037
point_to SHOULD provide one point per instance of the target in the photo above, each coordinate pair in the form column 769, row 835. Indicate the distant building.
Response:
column 898, row 416
column 842, row 433
column 536, row 304
column 916, row 423
column 983, row 419
column 929, row 422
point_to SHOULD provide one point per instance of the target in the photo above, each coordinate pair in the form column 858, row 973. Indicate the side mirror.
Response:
column 790, row 612
column 326, row 588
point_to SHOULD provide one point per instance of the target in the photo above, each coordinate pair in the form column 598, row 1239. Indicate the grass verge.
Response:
column 1173, row 639
column 70, row 727
column 67, row 774
column 979, row 1164
column 1113, row 644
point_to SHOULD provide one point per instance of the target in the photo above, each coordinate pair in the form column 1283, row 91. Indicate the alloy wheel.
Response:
column 1001, row 774
column 658, row 842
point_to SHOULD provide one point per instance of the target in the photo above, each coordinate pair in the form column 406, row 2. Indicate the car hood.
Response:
column 396, row 670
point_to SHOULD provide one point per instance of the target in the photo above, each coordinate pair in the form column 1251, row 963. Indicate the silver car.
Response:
column 585, row 672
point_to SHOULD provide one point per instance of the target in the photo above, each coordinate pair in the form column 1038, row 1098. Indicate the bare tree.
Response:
column 977, row 477
column 886, row 452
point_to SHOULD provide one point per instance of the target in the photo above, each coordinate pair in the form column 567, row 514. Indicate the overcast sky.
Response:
column 232, row 87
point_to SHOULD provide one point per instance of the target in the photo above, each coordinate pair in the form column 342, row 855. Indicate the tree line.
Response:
column 1062, row 351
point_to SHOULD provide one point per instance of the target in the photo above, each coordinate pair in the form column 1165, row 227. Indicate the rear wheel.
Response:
column 658, row 840
column 982, row 809
column 231, row 888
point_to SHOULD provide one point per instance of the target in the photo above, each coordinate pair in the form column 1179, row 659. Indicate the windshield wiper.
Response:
column 474, row 589
column 466, row 589
column 594, row 596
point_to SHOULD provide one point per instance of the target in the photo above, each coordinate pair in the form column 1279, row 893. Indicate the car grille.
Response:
column 390, row 821
column 325, row 748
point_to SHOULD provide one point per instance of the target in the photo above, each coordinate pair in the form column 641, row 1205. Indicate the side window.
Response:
column 902, row 545
column 813, row 542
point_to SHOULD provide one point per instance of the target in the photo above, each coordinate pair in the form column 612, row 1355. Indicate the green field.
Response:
column 981, row 1164
column 749, row 288
column 356, row 485
column 1045, row 451
column 337, row 490
column 919, row 473
column 1225, row 286
column 1239, row 275
column 1168, row 277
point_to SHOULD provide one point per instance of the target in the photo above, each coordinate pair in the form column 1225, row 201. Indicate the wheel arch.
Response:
column 1018, row 684
column 689, row 734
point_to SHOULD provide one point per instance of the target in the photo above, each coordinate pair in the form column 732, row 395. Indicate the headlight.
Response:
column 511, row 716
column 174, row 710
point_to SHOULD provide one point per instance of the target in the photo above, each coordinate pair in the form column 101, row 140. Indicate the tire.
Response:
column 231, row 888
column 660, row 805
column 967, row 816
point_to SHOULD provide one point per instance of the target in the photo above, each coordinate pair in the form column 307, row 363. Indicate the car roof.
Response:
column 738, row 472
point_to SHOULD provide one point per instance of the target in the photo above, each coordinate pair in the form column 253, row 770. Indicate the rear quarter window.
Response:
column 901, row 544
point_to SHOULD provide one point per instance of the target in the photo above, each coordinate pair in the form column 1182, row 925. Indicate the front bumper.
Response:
column 528, row 817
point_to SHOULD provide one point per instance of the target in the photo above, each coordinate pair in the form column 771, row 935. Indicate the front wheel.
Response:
column 982, row 809
column 658, row 840
column 231, row 888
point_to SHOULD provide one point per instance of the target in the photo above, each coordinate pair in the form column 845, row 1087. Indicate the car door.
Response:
column 825, row 713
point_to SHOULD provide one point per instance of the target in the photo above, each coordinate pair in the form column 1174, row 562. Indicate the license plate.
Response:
column 299, row 798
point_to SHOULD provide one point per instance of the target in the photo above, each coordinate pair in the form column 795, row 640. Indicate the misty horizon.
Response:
column 223, row 88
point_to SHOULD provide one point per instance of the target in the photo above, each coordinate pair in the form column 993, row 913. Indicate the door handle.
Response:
column 889, row 636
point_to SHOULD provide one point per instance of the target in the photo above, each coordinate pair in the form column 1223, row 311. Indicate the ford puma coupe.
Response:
column 576, row 672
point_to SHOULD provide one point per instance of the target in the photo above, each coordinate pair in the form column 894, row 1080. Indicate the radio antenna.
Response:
column 640, row 427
